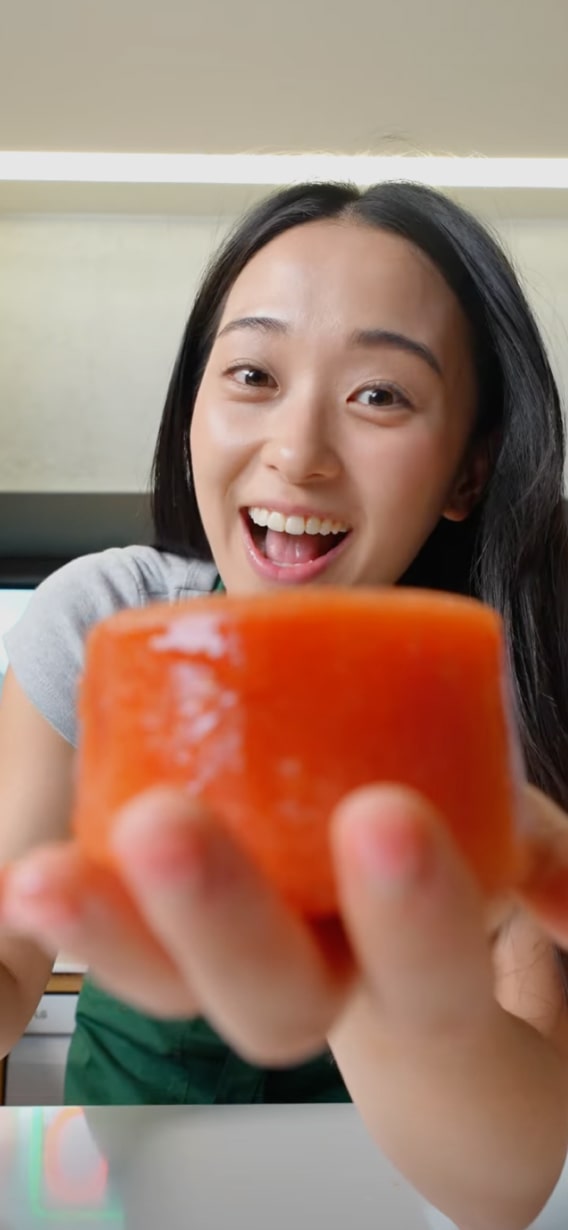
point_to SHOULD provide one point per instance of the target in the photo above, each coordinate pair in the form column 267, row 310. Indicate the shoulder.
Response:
column 131, row 575
column 161, row 576
column 46, row 648
column 94, row 586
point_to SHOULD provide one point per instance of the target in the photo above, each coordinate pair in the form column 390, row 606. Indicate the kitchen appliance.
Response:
column 35, row 1068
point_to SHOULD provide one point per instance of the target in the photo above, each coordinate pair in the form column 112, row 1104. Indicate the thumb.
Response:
column 543, row 890
column 413, row 912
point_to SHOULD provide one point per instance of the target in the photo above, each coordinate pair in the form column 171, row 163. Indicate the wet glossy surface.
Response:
column 263, row 1168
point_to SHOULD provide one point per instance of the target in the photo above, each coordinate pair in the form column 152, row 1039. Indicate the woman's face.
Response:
column 331, row 428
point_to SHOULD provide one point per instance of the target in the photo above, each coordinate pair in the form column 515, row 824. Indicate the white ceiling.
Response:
column 456, row 76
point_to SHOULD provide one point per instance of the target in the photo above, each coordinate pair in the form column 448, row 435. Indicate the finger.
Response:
column 262, row 977
column 413, row 912
column 543, row 890
column 57, row 896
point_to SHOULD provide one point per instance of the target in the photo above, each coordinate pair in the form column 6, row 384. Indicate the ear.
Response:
column 471, row 482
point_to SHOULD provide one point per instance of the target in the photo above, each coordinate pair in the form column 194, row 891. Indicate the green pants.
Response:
column 119, row 1057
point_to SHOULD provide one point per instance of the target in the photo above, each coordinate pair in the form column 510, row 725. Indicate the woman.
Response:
column 366, row 361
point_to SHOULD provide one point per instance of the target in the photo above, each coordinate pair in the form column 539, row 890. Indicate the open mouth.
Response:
column 304, row 545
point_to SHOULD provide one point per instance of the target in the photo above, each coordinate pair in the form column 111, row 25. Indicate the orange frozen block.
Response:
column 272, row 708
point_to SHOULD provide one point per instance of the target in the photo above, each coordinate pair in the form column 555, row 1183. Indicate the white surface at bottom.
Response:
column 259, row 1168
column 174, row 1168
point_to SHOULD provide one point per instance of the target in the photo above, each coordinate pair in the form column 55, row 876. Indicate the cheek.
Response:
column 416, row 463
column 219, row 437
column 204, row 460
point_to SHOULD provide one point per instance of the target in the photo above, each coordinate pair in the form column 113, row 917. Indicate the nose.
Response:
column 299, row 444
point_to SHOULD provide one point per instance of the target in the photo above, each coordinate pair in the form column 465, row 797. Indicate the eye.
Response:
column 251, row 377
column 382, row 396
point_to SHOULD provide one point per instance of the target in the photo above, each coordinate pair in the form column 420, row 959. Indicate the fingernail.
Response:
column 393, row 858
column 174, row 854
column 40, row 913
column 29, row 900
column 26, row 882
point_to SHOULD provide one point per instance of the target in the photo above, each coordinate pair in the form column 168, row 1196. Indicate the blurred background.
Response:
column 96, row 279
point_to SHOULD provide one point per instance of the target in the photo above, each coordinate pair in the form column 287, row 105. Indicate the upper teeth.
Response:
column 295, row 525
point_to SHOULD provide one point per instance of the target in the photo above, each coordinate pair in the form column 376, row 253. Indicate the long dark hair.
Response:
column 513, row 551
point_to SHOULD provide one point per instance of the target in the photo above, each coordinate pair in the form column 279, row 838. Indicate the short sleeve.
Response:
column 46, row 647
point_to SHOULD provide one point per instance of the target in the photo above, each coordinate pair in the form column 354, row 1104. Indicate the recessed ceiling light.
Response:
column 278, row 169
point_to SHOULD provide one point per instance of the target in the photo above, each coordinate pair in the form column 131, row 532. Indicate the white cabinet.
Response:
column 35, row 1069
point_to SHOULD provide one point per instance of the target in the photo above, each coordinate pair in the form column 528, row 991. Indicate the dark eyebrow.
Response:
column 265, row 324
column 383, row 337
column 363, row 337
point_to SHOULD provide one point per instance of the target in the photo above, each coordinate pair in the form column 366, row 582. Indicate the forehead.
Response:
column 337, row 274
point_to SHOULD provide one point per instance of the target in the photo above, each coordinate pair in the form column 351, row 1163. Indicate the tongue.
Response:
column 295, row 548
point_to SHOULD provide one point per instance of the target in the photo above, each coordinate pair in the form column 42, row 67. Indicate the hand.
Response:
column 189, row 927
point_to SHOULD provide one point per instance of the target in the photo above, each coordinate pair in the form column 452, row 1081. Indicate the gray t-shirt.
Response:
column 46, row 647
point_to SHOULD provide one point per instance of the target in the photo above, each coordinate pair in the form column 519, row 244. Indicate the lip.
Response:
column 292, row 574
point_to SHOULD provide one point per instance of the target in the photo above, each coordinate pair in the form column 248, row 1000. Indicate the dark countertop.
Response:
column 38, row 528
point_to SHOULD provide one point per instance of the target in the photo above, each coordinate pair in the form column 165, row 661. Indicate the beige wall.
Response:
column 91, row 311
column 539, row 250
